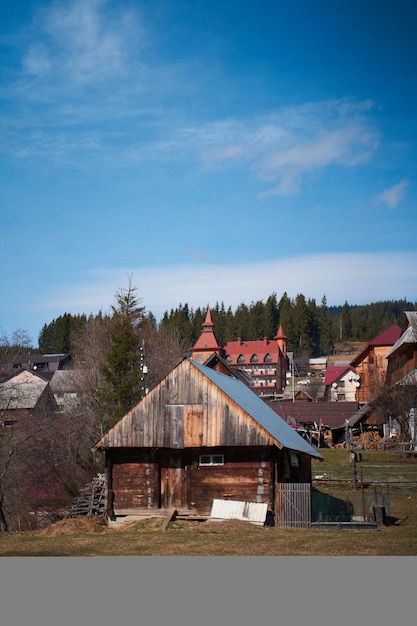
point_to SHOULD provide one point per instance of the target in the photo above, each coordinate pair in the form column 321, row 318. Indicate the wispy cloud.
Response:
column 289, row 144
column 95, row 88
column 393, row 195
column 86, row 42
column 280, row 149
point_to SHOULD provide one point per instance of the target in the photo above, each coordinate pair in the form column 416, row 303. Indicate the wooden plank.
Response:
column 169, row 517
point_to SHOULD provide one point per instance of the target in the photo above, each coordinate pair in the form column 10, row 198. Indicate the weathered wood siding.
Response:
column 173, row 480
column 186, row 410
column 134, row 481
column 140, row 479
column 287, row 472
column 245, row 476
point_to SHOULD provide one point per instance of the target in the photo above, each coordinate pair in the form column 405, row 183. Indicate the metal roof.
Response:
column 252, row 404
column 409, row 335
column 330, row 414
column 24, row 395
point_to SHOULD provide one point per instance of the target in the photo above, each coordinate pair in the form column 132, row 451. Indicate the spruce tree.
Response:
column 345, row 323
column 122, row 366
column 326, row 328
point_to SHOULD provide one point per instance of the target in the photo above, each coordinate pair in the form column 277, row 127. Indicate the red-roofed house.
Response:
column 341, row 383
column 265, row 360
column 371, row 364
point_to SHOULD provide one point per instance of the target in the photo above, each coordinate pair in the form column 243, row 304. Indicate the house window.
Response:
column 254, row 358
column 39, row 366
column 267, row 358
column 294, row 459
column 341, row 397
column 241, row 359
column 341, row 383
column 211, row 459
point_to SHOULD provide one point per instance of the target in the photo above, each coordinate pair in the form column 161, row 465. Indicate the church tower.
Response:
column 207, row 343
column 281, row 340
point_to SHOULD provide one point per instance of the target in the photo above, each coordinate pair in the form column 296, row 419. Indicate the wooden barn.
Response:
column 197, row 436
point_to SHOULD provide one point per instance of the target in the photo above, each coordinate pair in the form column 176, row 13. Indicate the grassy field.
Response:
column 84, row 537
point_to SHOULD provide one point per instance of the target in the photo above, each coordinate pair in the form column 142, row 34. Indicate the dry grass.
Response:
column 84, row 537
column 93, row 537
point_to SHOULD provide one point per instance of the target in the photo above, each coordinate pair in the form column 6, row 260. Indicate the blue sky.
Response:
column 213, row 151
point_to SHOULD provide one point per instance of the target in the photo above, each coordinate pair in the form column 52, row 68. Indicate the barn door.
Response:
column 173, row 482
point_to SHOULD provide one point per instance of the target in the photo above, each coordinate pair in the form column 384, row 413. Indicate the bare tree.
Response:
column 162, row 352
column 398, row 405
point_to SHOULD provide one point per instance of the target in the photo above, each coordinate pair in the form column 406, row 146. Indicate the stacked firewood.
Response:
column 369, row 440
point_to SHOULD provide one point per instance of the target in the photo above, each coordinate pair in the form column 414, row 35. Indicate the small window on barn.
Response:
column 211, row 459
column 294, row 459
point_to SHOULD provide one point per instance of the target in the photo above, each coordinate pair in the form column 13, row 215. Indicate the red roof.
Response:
column 388, row 337
column 331, row 414
column 246, row 349
column 334, row 372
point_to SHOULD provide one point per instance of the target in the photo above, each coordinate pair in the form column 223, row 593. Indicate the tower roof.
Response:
column 207, row 341
column 280, row 334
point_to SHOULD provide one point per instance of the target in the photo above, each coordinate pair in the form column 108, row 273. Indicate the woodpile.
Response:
column 369, row 440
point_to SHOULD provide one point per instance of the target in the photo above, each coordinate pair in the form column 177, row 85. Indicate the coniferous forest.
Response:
column 312, row 329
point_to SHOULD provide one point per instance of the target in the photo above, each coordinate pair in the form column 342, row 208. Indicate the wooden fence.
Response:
column 293, row 505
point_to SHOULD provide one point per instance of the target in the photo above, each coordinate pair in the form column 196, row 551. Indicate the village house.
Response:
column 43, row 364
column 371, row 363
column 198, row 436
column 400, row 382
column 22, row 395
column 341, row 384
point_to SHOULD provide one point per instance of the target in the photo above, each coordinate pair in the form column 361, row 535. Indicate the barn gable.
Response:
column 195, row 406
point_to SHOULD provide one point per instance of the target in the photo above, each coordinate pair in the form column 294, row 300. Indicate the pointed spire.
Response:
column 280, row 334
column 281, row 339
column 207, row 343
column 208, row 322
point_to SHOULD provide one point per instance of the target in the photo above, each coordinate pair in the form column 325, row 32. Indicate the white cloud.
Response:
column 393, row 195
column 82, row 42
column 90, row 66
column 367, row 277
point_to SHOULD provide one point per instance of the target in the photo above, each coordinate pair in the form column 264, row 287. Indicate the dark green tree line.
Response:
column 312, row 329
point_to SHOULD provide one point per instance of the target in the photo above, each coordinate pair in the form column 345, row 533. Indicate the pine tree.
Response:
column 121, row 370
column 326, row 328
column 270, row 316
column 345, row 323
column 286, row 320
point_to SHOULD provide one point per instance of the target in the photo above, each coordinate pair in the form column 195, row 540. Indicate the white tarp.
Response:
column 254, row 512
